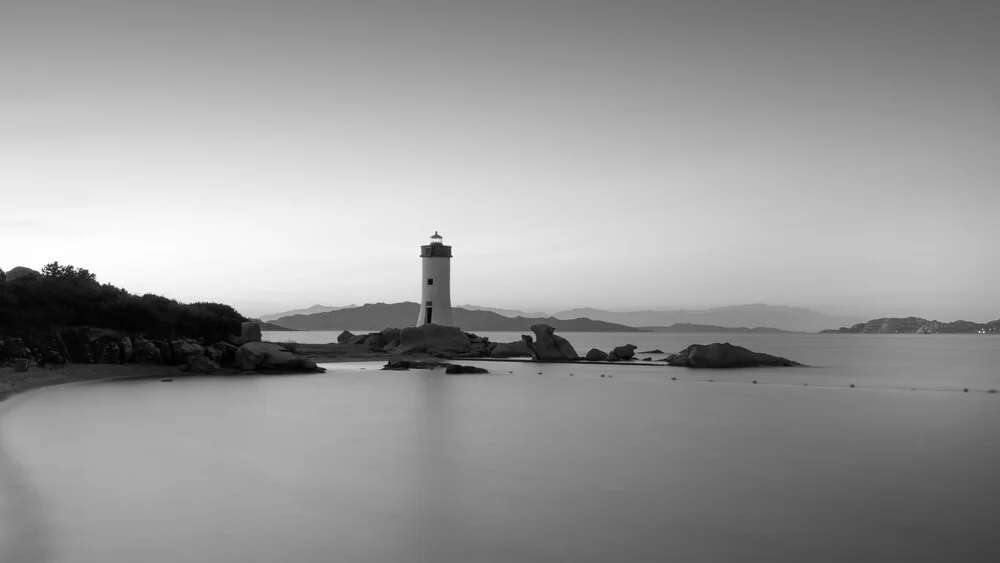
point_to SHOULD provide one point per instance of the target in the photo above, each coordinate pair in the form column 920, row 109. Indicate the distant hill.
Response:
column 795, row 319
column 309, row 311
column 505, row 312
column 688, row 327
column 265, row 325
column 917, row 325
column 381, row 315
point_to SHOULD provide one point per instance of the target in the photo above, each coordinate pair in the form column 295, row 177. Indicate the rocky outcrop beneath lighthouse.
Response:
column 433, row 339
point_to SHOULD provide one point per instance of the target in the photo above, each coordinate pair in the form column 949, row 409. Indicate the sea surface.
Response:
column 533, row 463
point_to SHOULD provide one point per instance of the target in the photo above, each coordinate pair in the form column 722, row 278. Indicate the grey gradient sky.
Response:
column 617, row 154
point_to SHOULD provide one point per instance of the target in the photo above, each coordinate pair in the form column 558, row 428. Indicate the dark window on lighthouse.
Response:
column 430, row 281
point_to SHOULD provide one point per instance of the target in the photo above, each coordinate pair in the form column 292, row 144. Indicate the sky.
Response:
column 618, row 154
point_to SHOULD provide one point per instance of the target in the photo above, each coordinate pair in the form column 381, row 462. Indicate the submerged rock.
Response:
column 725, row 355
column 403, row 365
column 455, row 369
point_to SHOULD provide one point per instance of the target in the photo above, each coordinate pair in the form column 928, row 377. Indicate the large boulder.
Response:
column 266, row 356
column 547, row 346
column 725, row 355
column 433, row 339
column 250, row 332
column 626, row 352
column 595, row 355
column 517, row 349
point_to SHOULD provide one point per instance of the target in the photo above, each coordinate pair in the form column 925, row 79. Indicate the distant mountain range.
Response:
column 311, row 310
column 780, row 317
column 505, row 312
column 381, row 315
column 688, row 327
column 917, row 325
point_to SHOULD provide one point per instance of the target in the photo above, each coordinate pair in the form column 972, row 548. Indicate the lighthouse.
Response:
column 435, row 283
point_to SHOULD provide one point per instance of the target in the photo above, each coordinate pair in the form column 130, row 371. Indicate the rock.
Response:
column 510, row 350
column 656, row 351
column 250, row 332
column 391, row 335
column 214, row 354
column 433, row 339
column 53, row 357
column 250, row 355
column 454, row 369
column 201, row 364
column 719, row 356
column 403, row 365
column 548, row 346
column 266, row 356
column 112, row 354
column 227, row 351
column 595, row 355
column 345, row 337
column 126, row 349
column 626, row 352
column 181, row 350
column 146, row 352
column 647, row 359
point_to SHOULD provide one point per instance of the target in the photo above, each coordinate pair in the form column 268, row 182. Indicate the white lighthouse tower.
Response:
column 435, row 283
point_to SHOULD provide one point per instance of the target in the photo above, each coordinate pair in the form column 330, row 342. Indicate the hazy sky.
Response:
column 617, row 154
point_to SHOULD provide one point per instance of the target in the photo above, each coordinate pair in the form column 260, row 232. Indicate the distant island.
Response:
column 917, row 325
column 375, row 316
column 689, row 327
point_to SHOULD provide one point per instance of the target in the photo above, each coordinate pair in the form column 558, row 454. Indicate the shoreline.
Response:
column 15, row 383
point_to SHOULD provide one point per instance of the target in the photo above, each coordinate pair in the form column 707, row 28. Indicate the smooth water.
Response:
column 358, row 465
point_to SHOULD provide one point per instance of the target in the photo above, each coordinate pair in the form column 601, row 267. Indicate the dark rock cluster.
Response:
column 724, row 355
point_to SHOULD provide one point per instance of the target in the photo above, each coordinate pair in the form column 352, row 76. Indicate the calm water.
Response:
column 357, row 465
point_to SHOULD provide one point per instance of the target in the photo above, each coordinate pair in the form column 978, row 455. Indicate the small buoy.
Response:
column 673, row 379
column 852, row 386
column 755, row 382
column 966, row 389
column 510, row 372
column 539, row 373
column 805, row 385
column 602, row 375
column 571, row 375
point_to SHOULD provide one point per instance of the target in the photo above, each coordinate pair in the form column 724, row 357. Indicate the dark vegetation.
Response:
column 34, row 306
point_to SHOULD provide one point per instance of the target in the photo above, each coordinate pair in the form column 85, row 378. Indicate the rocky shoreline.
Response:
column 85, row 354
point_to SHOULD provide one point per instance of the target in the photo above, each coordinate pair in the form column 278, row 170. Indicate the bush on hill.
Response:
column 69, row 296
